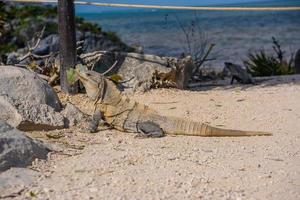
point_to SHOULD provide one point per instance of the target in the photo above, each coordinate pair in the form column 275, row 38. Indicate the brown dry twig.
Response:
column 113, row 66
column 31, row 49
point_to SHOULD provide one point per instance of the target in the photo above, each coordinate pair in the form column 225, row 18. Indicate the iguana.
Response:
column 126, row 115
column 238, row 73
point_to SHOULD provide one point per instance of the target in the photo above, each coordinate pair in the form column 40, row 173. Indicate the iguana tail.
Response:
column 177, row 126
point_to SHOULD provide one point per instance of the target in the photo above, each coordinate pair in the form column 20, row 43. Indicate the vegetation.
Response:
column 113, row 37
column 21, row 21
column 262, row 64
column 197, row 44
column 85, row 26
column 18, row 24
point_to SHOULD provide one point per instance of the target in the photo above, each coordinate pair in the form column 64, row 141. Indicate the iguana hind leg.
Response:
column 149, row 129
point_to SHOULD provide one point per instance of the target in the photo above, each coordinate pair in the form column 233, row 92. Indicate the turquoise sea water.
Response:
column 234, row 33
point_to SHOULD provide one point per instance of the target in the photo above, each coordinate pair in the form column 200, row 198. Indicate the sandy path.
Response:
column 115, row 165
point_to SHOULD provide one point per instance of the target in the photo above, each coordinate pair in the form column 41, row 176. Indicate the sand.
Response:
column 116, row 165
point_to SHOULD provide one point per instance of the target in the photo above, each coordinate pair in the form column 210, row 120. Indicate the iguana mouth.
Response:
column 86, row 76
column 89, row 80
column 81, row 75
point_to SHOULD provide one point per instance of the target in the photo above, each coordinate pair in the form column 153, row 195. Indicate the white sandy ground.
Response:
column 115, row 165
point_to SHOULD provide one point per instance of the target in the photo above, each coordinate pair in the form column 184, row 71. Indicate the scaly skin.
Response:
column 124, row 114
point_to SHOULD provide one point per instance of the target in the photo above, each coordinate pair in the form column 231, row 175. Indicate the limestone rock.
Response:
column 73, row 115
column 13, row 58
column 142, row 72
column 27, row 102
column 92, row 42
column 9, row 113
column 39, row 117
column 27, row 117
column 18, row 150
column 48, row 45
column 23, row 85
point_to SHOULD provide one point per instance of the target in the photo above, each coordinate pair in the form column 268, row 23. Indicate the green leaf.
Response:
column 71, row 76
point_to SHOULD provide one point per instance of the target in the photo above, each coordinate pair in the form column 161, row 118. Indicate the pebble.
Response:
column 93, row 189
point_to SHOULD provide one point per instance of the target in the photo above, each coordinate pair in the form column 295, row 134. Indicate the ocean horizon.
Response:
column 235, row 34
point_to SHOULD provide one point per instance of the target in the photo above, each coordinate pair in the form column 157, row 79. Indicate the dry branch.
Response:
column 113, row 66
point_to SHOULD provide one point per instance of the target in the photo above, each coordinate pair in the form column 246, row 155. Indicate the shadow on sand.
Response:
column 259, row 82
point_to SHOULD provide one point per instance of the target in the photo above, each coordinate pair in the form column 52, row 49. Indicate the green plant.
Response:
column 263, row 64
column 84, row 26
column 18, row 23
column 112, row 36
column 196, row 45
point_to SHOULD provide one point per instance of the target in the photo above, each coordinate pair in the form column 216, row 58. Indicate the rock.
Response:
column 39, row 117
column 141, row 72
column 92, row 42
column 22, row 85
column 73, row 115
column 9, row 113
column 27, row 102
column 13, row 58
column 15, row 180
column 147, row 71
column 48, row 45
column 4, row 127
column 297, row 62
column 18, row 150
column 27, row 117
column 100, row 42
column 146, row 76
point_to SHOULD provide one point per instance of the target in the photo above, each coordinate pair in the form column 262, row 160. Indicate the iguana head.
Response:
column 91, row 81
column 97, row 86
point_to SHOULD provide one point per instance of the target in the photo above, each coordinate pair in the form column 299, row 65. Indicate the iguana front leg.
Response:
column 94, row 123
column 149, row 129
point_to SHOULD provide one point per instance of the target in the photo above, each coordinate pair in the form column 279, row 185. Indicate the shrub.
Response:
column 112, row 36
column 85, row 26
column 196, row 45
column 262, row 64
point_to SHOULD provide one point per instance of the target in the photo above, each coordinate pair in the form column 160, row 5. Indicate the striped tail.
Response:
column 177, row 126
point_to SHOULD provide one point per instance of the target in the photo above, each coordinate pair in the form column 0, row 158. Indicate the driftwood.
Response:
column 239, row 74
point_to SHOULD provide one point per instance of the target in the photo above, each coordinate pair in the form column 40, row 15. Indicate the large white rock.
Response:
column 73, row 115
column 27, row 102
column 9, row 113
column 141, row 72
column 21, row 84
